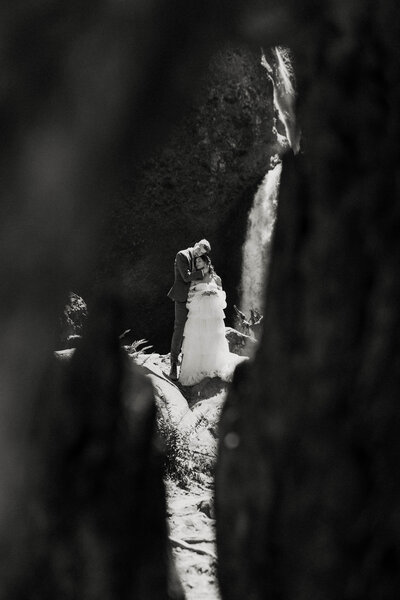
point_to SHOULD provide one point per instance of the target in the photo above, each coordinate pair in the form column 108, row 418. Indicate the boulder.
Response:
column 240, row 343
column 72, row 321
column 192, row 411
column 170, row 401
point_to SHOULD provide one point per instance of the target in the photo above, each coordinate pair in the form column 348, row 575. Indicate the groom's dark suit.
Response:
column 184, row 273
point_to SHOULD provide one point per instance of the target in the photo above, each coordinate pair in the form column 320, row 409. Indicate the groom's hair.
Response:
column 206, row 244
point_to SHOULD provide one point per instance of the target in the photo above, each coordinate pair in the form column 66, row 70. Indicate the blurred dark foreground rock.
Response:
column 97, row 502
column 307, row 492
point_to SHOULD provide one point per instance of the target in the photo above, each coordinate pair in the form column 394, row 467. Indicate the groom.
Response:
column 184, row 272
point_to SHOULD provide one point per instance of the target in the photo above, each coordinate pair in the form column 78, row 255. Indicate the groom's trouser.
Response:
column 180, row 319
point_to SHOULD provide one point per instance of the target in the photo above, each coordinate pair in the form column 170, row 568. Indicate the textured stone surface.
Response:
column 93, row 523
column 240, row 343
column 307, row 493
column 72, row 321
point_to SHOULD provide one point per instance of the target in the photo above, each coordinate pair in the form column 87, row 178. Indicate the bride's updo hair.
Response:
column 208, row 262
column 212, row 272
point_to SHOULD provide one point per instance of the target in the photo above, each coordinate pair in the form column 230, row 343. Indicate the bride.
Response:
column 205, row 349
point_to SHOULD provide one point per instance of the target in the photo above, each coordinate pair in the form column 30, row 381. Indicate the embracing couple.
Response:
column 199, row 329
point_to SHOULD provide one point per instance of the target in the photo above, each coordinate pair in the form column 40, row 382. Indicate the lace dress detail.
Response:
column 205, row 348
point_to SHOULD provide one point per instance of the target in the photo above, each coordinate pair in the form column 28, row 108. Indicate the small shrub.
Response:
column 184, row 464
column 137, row 353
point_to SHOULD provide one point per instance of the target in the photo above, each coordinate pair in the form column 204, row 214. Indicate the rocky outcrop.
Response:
column 171, row 403
column 72, row 321
column 97, row 478
column 192, row 411
column 306, row 487
column 240, row 343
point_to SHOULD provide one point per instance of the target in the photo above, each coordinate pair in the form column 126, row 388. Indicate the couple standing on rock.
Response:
column 199, row 329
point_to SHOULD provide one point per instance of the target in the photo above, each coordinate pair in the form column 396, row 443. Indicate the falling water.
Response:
column 256, row 247
column 262, row 215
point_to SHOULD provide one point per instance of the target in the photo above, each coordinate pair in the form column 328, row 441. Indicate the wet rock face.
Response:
column 201, row 184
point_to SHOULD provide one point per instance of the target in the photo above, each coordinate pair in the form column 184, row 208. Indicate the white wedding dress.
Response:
column 205, row 348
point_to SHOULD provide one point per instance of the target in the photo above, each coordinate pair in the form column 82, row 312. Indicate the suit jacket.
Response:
column 183, row 275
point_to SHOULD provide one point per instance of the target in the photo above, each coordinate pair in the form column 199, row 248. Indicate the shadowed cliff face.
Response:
column 200, row 184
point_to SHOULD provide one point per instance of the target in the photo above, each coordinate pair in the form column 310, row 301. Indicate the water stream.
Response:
column 257, row 245
column 256, row 249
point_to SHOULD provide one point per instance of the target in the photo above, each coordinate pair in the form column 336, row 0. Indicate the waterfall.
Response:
column 256, row 247
column 255, row 252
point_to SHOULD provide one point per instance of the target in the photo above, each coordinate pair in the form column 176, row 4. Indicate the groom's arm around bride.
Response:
column 184, row 273
column 185, row 270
